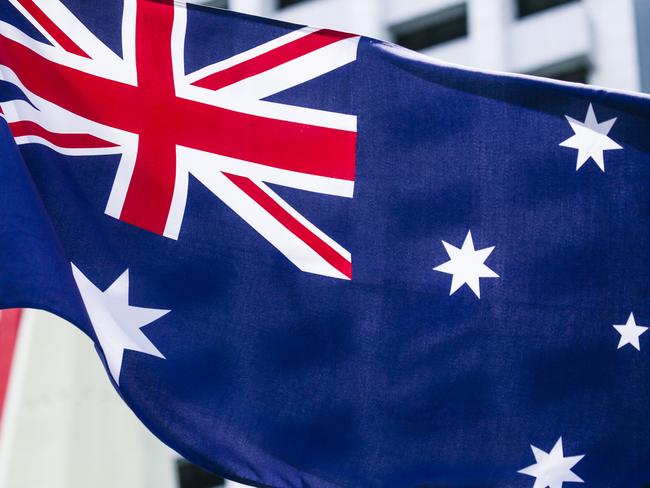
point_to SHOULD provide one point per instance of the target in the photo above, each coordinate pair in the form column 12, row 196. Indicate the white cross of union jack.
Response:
column 166, row 124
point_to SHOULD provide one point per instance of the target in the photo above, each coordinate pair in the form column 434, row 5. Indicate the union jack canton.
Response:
column 167, row 124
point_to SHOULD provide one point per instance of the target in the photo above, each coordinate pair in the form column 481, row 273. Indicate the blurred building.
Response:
column 642, row 22
column 63, row 425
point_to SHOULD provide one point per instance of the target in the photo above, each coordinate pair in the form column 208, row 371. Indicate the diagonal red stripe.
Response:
column 272, row 59
column 292, row 224
column 70, row 141
column 52, row 29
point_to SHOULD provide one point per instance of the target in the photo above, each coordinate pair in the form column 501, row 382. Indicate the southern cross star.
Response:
column 591, row 139
column 630, row 333
column 116, row 323
column 552, row 469
column 466, row 265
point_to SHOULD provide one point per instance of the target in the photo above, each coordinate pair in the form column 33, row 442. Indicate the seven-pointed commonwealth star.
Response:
column 116, row 323
column 630, row 333
column 466, row 265
column 552, row 469
column 591, row 139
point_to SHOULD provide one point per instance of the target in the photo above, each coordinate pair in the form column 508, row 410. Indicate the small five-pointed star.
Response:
column 591, row 139
column 116, row 323
column 466, row 265
column 630, row 333
column 552, row 469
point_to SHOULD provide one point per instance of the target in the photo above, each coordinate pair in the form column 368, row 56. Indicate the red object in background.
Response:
column 9, row 320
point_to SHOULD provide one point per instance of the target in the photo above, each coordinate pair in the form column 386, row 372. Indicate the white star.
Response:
column 591, row 139
column 630, row 333
column 552, row 469
column 116, row 323
column 466, row 265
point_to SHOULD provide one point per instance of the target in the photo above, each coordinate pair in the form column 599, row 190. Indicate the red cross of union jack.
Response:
column 166, row 124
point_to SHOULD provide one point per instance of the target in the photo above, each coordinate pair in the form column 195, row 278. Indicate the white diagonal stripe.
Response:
column 293, row 248
column 77, row 31
column 248, row 55
column 311, row 227
column 294, row 72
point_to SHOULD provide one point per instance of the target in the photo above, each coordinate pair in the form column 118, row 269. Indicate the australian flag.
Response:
column 312, row 259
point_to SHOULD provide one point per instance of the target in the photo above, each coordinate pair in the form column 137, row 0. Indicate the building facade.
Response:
column 642, row 22
column 64, row 426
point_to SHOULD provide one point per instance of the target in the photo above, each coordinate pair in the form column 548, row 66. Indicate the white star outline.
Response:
column 591, row 139
column 630, row 333
column 552, row 469
column 117, row 324
column 466, row 265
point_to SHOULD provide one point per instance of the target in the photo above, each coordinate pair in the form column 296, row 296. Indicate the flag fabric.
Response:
column 312, row 259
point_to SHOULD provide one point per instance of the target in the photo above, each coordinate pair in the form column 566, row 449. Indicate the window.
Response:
column 575, row 70
column 288, row 3
column 437, row 28
column 190, row 476
column 579, row 74
column 215, row 3
column 529, row 7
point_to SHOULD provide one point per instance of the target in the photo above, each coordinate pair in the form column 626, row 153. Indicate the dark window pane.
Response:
column 288, row 3
column 216, row 3
column 190, row 476
column 529, row 7
column 576, row 70
column 579, row 74
column 434, row 29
